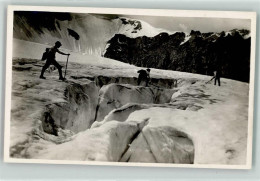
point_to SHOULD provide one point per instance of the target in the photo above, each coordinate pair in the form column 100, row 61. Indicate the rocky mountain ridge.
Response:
column 202, row 53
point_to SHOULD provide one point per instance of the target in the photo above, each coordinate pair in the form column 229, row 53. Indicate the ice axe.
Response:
column 210, row 80
column 66, row 66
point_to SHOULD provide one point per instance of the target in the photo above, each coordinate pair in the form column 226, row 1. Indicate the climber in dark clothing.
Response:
column 216, row 77
column 144, row 75
column 51, row 60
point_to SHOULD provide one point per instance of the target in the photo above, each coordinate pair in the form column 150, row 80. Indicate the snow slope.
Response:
column 21, row 47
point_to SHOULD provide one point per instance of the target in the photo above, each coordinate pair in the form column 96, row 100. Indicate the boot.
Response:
column 60, row 73
column 41, row 77
column 42, row 72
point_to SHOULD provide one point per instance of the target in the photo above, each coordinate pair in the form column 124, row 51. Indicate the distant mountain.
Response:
column 196, row 52
column 133, row 28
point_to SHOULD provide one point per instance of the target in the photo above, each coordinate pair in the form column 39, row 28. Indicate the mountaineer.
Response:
column 216, row 77
column 144, row 75
column 50, row 56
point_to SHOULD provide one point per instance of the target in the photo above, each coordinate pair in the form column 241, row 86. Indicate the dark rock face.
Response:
column 202, row 53
column 73, row 34
column 30, row 22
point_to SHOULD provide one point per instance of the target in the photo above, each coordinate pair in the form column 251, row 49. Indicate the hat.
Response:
column 58, row 43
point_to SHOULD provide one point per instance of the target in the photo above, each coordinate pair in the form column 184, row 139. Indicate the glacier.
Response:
column 100, row 114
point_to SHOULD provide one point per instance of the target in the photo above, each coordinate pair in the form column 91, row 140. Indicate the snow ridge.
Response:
column 133, row 28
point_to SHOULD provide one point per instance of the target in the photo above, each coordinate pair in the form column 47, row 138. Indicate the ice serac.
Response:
column 161, row 145
column 77, row 114
column 121, row 114
column 114, row 96
column 106, row 143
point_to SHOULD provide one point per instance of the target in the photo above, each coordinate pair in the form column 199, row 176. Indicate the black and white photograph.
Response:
column 131, row 87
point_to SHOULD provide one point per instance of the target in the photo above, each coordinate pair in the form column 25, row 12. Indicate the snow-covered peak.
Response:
column 213, row 36
column 244, row 33
column 187, row 37
column 133, row 28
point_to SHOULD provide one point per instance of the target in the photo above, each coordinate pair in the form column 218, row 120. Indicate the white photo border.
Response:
column 129, row 11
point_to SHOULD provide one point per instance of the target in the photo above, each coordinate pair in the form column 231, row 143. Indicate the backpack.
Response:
column 45, row 54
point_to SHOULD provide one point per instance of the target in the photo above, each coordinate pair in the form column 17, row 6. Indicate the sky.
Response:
column 186, row 24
